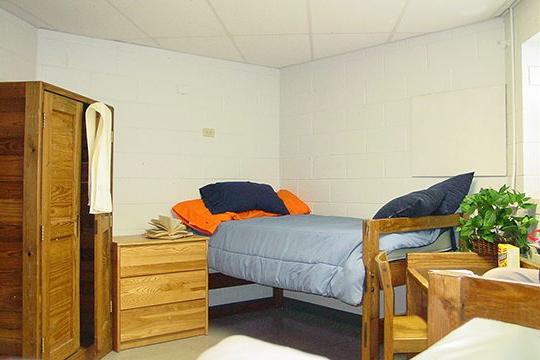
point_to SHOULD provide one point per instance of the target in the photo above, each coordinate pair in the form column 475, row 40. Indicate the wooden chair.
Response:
column 402, row 334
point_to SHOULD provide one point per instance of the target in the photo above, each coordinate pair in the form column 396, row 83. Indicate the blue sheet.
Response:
column 309, row 253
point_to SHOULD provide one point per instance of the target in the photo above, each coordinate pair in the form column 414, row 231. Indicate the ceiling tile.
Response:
column 171, row 18
column 260, row 17
column 22, row 14
column 275, row 50
column 435, row 15
column 214, row 46
column 354, row 16
column 268, row 32
column 96, row 18
column 333, row 44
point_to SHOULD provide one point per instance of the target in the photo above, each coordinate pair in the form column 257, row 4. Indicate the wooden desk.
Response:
column 455, row 299
column 420, row 264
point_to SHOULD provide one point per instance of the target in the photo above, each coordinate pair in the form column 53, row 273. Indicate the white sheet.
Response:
column 483, row 339
column 239, row 347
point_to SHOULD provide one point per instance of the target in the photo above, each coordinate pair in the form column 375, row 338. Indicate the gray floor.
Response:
column 309, row 328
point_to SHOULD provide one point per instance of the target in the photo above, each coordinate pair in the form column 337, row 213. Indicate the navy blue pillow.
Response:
column 415, row 204
column 241, row 196
column 456, row 188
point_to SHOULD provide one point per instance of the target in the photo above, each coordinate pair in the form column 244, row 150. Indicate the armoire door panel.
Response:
column 60, row 220
column 103, row 285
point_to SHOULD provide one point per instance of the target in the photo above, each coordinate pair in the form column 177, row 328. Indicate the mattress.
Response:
column 308, row 253
column 444, row 242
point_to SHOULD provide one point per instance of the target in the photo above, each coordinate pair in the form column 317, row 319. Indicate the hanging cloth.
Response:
column 98, row 135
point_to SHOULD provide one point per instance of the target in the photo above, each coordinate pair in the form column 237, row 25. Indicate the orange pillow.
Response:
column 293, row 203
column 196, row 215
column 252, row 214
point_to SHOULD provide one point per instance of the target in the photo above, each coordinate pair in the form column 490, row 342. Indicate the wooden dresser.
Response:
column 161, row 290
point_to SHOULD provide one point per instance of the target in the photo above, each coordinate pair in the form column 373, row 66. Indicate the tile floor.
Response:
column 309, row 328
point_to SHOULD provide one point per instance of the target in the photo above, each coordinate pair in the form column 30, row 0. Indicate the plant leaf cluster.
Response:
column 492, row 216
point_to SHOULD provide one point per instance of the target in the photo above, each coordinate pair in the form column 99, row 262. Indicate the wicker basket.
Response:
column 485, row 248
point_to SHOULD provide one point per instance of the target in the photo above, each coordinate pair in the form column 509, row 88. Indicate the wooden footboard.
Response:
column 372, row 230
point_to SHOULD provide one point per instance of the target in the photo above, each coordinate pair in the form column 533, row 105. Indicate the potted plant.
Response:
column 491, row 217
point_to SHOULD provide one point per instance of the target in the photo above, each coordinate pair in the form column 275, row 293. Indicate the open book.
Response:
column 167, row 228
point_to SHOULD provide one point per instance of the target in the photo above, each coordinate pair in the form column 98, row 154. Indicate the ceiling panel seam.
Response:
column 398, row 21
column 132, row 22
column 30, row 13
column 308, row 14
column 227, row 32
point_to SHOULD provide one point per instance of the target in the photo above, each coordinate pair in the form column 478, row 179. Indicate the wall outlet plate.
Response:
column 209, row 132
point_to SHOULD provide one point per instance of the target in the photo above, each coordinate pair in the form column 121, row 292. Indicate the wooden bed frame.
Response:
column 372, row 230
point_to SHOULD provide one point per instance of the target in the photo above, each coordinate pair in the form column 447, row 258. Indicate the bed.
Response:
column 324, row 255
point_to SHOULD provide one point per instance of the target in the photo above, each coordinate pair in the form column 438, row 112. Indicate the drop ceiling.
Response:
column 273, row 33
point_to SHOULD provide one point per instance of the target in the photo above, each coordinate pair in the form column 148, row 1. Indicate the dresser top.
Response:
column 141, row 240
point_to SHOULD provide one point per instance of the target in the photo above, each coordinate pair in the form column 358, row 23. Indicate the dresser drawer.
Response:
column 162, row 319
column 162, row 289
column 166, row 258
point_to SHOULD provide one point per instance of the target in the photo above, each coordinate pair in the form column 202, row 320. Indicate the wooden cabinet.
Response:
column 55, row 260
column 161, row 290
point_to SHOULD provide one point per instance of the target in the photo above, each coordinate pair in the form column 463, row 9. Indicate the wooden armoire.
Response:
column 55, row 257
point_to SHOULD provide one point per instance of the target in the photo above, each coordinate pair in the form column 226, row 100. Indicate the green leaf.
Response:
column 489, row 218
column 490, row 237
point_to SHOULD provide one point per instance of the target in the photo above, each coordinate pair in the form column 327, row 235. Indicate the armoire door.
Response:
column 60, row 226
column 103, row 284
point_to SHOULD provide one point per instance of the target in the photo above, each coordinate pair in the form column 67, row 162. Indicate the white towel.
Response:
column 98, row 134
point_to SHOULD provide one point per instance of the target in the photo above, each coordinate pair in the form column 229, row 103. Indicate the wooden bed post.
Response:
column 371, row 231
column 370, row 300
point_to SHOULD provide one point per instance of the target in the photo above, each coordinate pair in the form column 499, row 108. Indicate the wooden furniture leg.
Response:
column 277, row 297
column 219, row 281
column 370, row 301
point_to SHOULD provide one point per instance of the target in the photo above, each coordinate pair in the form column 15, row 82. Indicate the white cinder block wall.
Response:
column 527, row 25
column 345, row 120
column 162, row 102
column 18, row 42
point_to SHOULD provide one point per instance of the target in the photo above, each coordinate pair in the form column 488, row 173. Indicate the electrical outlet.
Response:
column 209, row 132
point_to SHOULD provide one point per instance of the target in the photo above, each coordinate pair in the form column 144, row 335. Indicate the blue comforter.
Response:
column 309, row 253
